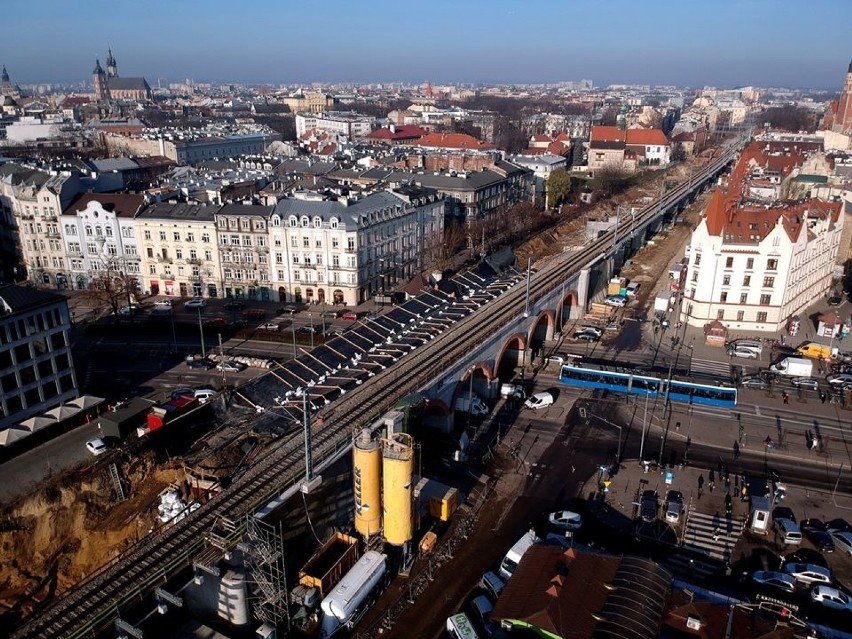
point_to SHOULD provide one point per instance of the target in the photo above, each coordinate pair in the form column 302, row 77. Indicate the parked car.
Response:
column 808, row 574
column 268, row 326
column 817, row 533
column 566, row 520
column 203, row 395
column 492, row 584
column 331, row 314
column 842, row 540
column 839, row 524
column 592, row 329
column 164, row 305
column 841, row 380
column 632, row 288
column 231, row 367
column 178, row 392
column 758, row 383
column 234, row 305
column 350, row 316
column 745, row 353
column 811, row 383
column 648, row 505
column 555, row 360
column 831, row 598
column 782, row 512
column 539, row 400
column 201, row 364
column 309, row 329
column 195, row 303
column 583, row 336
column 132, row 309
column 96, row 446
column 287, row 309
column 615, row 300
column 674, row 506
column 482, row 607
column 775, row 579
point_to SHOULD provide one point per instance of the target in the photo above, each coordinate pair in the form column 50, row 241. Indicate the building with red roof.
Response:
column 461, row 141
column 629, row 150
column 756, row 261
column 394, row 134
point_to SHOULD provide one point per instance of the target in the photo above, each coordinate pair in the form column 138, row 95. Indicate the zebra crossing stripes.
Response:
column 701, row 528
column 710, row 367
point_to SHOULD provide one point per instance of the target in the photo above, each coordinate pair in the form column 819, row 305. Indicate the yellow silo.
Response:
column 367, row 483
column 398, row 479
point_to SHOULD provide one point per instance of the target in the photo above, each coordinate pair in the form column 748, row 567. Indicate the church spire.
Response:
column 112, row 66
column 98, row 70
column 5, row 77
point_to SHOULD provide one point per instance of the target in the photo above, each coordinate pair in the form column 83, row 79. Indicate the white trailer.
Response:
column 341, row 607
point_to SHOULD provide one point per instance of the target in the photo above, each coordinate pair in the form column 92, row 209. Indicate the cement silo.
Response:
column 367, row 483
column 398, row 480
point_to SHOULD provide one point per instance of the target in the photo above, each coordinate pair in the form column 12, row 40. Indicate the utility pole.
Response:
column 527, row 296
column 222, row 359
column 201, row 330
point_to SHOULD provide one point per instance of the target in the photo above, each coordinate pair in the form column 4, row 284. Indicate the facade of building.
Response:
column 36, row 366
column 346, row 251
column 243, row 239
column 628, row 150
column 754, row 264
column 187, row 148
column 179, row 249
column 99, row 234
column 350, row 124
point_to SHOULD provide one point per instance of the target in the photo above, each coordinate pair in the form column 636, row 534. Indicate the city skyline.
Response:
column 725, row 44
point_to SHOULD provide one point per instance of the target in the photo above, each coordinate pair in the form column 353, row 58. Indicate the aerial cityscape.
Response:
column 468, row 319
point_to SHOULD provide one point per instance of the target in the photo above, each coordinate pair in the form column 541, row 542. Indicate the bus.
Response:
column 647, row 385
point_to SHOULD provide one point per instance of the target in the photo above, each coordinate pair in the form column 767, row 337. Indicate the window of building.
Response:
column 726, row 280
column 761, row 316
column 720, row 314
column 306, row 242
column 743, row 298
column 723, row 297
column 771, row 264
column 335, row 261
column 92, row 248
column 179, row 254
column 768, row 282
column 729, row 262
column 317, row 222
column 740, row 316
column 764, row 299
column 297, row 275
column 747, row 280
column 318, row 243
column 190, row 237
column 193, row 255
column 176, row 236
column 150, row 252
column 350, row 243
column 305, row 222
column 335, row 243
column 208, row 255
column 109, row 231
column 295, row 258
column 698, row 259
column 279, row 258
column 333, row 223
column 205, row 237
column 292, row 221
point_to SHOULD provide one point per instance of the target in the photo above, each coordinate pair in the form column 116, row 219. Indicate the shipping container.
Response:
column 328, row 564
column 124, row 420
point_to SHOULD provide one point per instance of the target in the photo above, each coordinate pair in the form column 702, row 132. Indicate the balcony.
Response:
column 165, row 276
column 164, row 260
column 194, row 260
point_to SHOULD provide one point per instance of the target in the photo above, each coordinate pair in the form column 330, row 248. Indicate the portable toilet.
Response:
column 758, row 518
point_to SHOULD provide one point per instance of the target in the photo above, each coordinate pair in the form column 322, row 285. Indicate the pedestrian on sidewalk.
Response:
column 677, row 427
column 785, row 397
column 823, row 396
column 736, row 451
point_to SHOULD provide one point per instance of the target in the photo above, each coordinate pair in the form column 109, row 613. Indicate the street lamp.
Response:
column 201, row 331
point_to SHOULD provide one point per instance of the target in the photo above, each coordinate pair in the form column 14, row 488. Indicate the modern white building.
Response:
column 753, row 266
column 99, row 232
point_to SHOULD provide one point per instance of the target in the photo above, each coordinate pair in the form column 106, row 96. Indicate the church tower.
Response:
column 112, row 66
column 843, row 120
column 99, row 83
column 6, row 86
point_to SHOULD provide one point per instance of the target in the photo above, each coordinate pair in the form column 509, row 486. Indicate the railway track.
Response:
column 96, row 603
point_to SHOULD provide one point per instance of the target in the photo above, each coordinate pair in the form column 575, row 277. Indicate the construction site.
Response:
column 403, row 493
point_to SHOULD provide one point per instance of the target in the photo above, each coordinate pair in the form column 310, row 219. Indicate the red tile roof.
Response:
column 407, row 132
column 452, row 141
column 123, row 204
column 563, row 137
column 541, row 138
column 607, row 134
column 646, row 137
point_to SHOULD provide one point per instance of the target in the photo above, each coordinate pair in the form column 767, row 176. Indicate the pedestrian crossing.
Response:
column 713, row 535
column 710, row 367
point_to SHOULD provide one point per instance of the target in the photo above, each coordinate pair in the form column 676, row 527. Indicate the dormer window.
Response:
column 276, row 221
column 317, row 222
column 333, row 222
column 305, row 222
column 292, row 220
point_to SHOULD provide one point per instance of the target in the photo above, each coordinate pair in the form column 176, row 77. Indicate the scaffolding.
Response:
column 263, row 552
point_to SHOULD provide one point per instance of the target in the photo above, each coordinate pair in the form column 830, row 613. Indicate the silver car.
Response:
column 811, row 383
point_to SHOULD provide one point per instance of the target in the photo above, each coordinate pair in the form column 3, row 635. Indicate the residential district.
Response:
column 418, row 360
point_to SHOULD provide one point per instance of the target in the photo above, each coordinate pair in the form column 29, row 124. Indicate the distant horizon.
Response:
column 478, row 42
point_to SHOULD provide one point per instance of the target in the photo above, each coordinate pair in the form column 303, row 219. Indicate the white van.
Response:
column 460, row 627
column 747, row 345
column 540, row 400
column 513, row 557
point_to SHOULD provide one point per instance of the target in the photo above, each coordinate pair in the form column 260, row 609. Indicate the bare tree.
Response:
column 611, row 180
column 442, row 247
column 113, row 287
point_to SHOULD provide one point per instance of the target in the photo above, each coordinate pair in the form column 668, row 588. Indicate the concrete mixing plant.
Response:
column 367, row 483
column 398, row 483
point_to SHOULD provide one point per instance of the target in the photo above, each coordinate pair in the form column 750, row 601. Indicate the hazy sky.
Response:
column 712, row 42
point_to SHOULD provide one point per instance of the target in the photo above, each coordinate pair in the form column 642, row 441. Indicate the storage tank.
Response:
column 398, row 482
column 366, row 483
